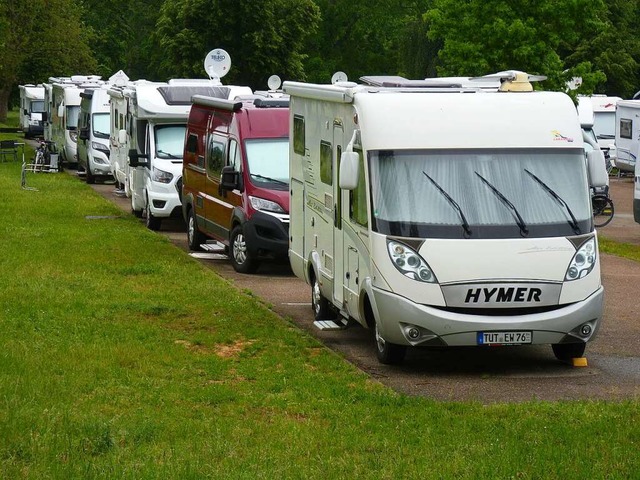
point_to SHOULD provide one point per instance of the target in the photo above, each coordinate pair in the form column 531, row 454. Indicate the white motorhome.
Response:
column 445, row 217
column 627, row 134
column 148, row 123
column 94, row 129
column 604, row 122
column 31, row 109
column 64, row 112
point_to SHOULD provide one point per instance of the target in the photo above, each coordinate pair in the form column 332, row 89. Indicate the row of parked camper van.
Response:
column 438, row 212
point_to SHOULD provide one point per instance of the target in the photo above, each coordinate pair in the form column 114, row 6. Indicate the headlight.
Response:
column 74, row 136
column 100, row 146
column 262, row 204
column 583, row 261
column 409, row 263
column 161, row 176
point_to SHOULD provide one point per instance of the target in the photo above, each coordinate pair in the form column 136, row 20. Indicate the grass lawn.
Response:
column 123, row 357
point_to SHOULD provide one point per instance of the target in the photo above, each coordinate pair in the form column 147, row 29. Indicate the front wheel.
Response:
column 388, row 353
column 321, row 306
column 195, row 238
column 241, row 259
column 565, row 352
column 152, row 222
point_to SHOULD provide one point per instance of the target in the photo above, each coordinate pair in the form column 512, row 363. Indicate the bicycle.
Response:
column 602, row 205
column 43, row 159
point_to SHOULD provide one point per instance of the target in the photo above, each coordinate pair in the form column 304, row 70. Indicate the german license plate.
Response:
column 504, row 338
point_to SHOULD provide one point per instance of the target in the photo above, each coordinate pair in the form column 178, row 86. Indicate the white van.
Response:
column 426, row 216
column 93, row 130
column 31, row 109
column 65, row 110
column 148, row 123
column 627, row 138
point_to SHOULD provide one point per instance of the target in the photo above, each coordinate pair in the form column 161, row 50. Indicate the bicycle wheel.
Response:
column 603, row 210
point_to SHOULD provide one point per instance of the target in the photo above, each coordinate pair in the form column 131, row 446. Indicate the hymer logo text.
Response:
column 503, row 295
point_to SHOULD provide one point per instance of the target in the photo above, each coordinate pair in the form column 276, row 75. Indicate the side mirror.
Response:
column 230, row 179
column 84, row 134
column 597, row 169
column 61, row 111
column 45, row 116
column 26, row 112
column 613, row 153
column 349, row 163
column 122, row 136
column 134, row 159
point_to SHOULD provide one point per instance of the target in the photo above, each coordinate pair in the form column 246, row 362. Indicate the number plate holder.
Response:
column 504, row 338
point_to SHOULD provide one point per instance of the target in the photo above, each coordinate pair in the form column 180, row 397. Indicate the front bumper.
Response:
column 267, row 235
column 446, row 328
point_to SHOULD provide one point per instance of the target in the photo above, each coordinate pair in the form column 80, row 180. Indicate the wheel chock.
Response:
column 579, row 362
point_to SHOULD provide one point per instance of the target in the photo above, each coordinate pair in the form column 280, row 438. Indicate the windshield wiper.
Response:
column 574, row 222
column 268, row 179
column 454, row 204
column 524, row 231
column 168, row 155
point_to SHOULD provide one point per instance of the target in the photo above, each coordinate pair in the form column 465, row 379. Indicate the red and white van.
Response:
column 236, row 177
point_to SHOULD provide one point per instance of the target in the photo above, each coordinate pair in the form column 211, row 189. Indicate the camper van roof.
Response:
column 395, row 81
column 181, row 94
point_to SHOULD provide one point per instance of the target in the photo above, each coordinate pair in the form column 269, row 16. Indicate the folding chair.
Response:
column 8, row 148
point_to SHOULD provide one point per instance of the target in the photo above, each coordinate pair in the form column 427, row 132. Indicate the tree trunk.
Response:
column 4, row 103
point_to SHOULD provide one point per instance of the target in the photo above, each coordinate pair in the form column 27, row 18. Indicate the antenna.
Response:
column 274, row 82
column 339, row 77
column 217, row 64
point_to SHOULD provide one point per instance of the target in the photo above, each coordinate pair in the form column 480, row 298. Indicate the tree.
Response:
column 485, row 36
column 261, row 41
column 31, row 49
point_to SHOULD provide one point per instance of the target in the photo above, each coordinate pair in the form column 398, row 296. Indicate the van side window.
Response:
column 358, row 196
column 298, row 134
column 626, row 128
column 192, row 143
column 215, row 157
column 326, row 163
column 234, row 156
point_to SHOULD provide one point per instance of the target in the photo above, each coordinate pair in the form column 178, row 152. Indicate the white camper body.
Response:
column 31, row 109
column 604, row 123
column 148, row 123
column 63, row 104
column 441, row 218
column 627, row 134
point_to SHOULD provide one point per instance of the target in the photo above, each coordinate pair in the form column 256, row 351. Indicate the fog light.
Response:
column 586, row 329
column 413, row 333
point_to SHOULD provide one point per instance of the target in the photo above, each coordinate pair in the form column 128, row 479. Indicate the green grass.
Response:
column 123, row 357
column 626, row 250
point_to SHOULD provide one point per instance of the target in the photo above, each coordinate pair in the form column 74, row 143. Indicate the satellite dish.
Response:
column 339, row 77
column 217, row 63
column 274, row 82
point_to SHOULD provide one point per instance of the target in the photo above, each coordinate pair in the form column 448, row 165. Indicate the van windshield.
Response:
column 170, row 141
column 101, row 125
column 604, row 124
column 268, row 161
column 480, row 193
column 37, row 106
column 73, row 113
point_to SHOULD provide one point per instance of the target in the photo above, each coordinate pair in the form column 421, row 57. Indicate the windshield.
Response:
column 73, row 113
column 479, row 193
column 268, row 161
column 37, row 106
column 101, row 125
column 604, row 124
column 170, row 141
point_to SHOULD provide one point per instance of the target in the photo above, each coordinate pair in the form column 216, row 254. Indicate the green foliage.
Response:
column 485, row 36
column 261, row 41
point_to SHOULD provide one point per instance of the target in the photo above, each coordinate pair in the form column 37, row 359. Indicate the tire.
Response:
column 388, row 353
column 152, row 223
column 88, row 176
column 321, row 307
column 195, row 237
column 603, row 210
column 567, row 351
column 241, row 259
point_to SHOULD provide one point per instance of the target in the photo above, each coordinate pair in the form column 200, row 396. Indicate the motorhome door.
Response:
column 338, row 239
